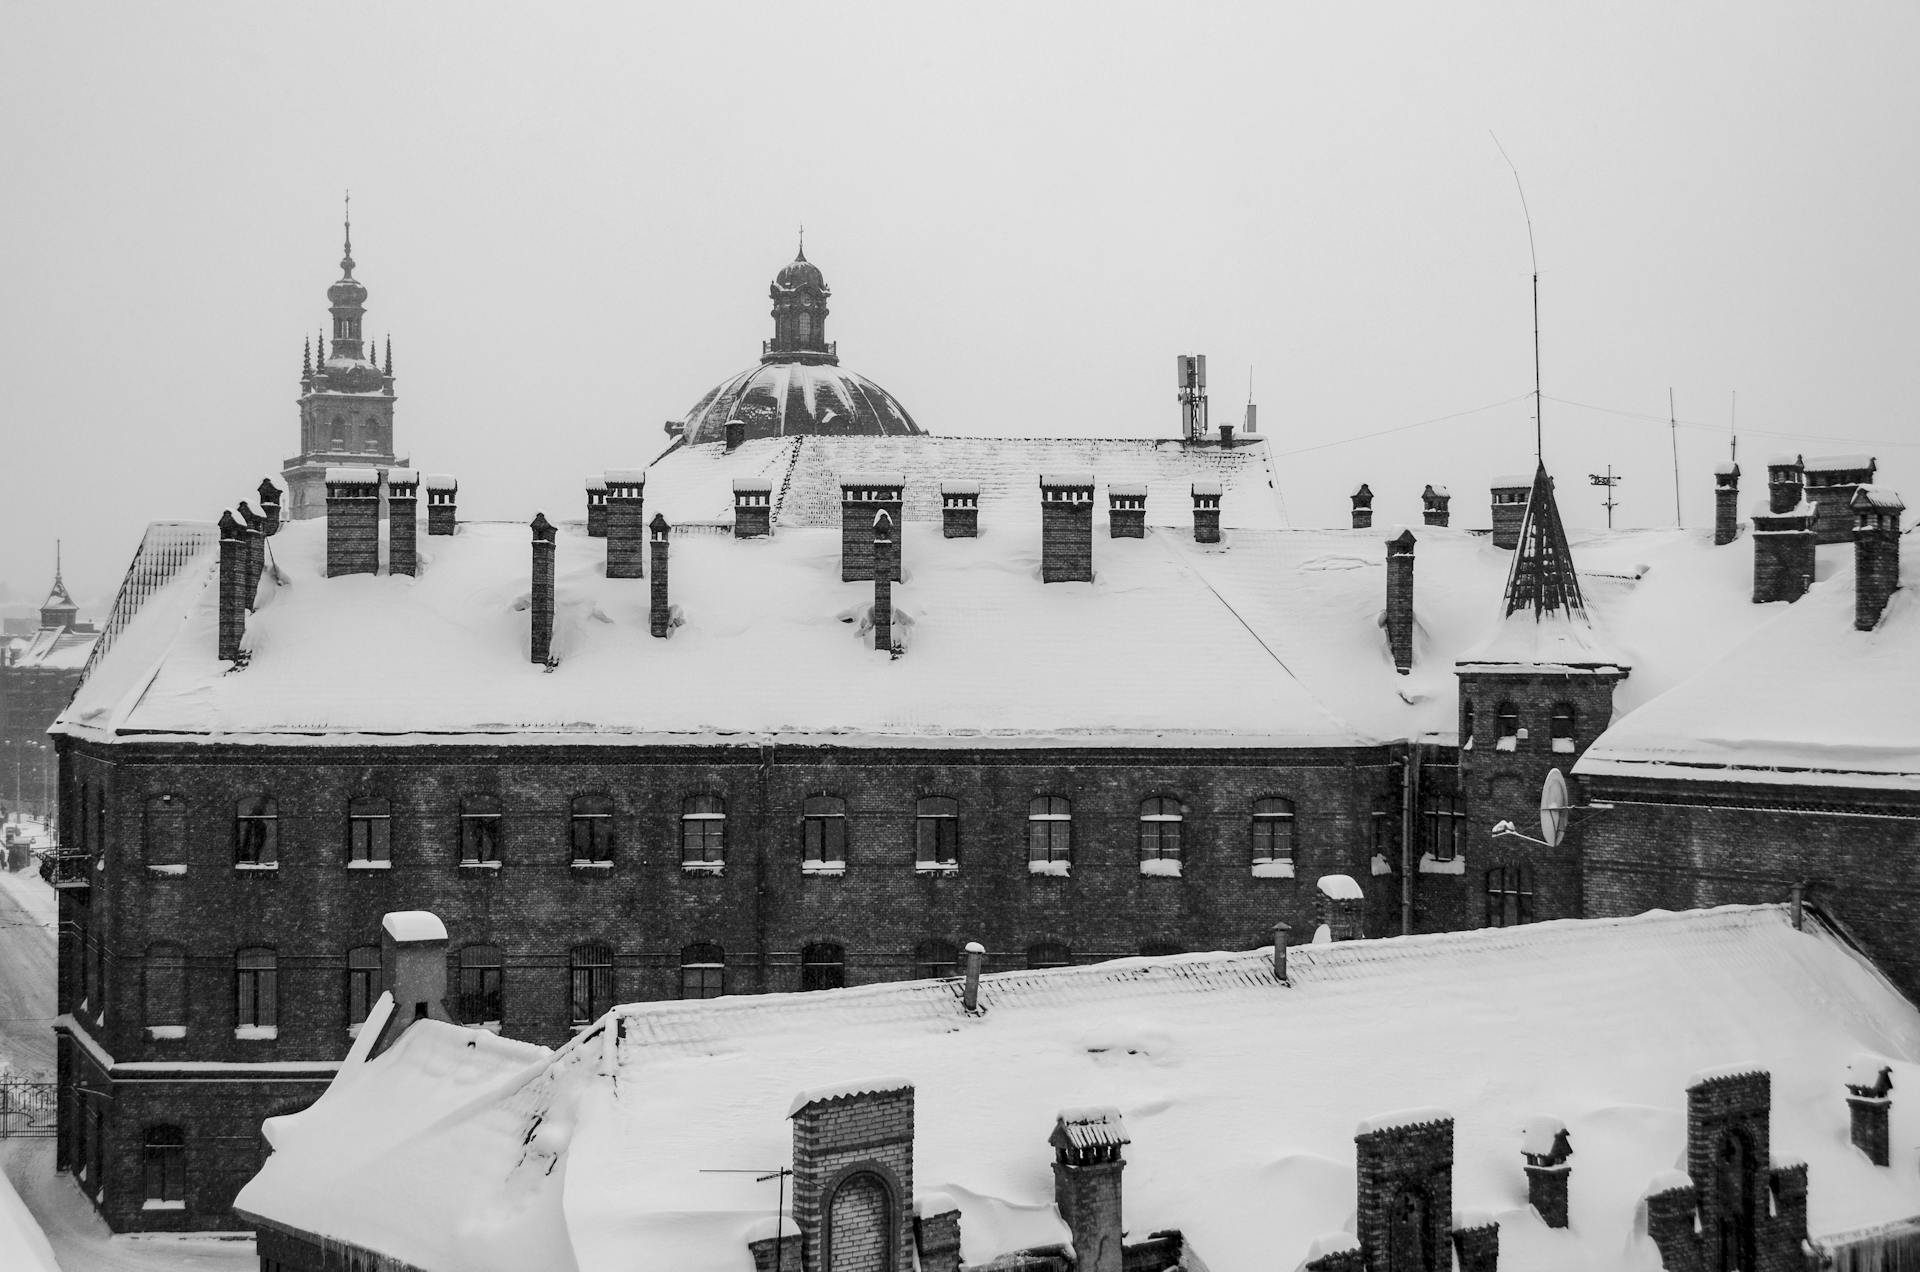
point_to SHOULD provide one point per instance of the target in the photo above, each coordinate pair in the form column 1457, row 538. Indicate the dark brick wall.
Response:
column 1832, row 511
column 540, row 596
column 1509, row 510
column 626, row 529
column 858, row 507
column 853, row 1181
column 353, row 529
column 442, row 505
column 1399, row 610
column 1066, row 534
column 1741, row 1213
column 1876, row 570
column 30, row 699
column 403, row 529
column 1782, row 558
column 1405, row 1206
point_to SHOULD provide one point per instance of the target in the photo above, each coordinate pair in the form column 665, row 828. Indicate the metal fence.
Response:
column 26, row 1108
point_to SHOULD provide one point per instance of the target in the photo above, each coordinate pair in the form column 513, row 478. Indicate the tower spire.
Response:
column 803, row 242
column 346, row 257
column 1542, row 578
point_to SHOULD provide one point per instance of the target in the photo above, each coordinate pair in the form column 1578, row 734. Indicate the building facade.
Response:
column 37, row 677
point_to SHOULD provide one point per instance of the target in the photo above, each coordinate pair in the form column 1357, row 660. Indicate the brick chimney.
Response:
column 1340, row 907
column 1830, row 486
column 1726, row 502
column 861, row 496
column 1544, row 1144
column 1399, row 615
column 233, row 595
column 959, row 509
column 1876, row 552
column 403, row 521
column 1206, row 512
column 626, row 522
column 254, row 532
column 596, row 507
column 1087, row 1163
column 270, row 506
column 353, row 521
column 736, row 433
column 1786, row 483
column 1433, row 504
column 443, row 497
column 1362, row 507
column 853, row 1164
column 1869, row 1082
column 1782, row 550
column 540, row 607
column 883, row 576
column 1226, row 437
column 1404, row 1174
column 413, row 968
column 1066, row 527
column 752, row 507
column 1509, row 509
column 660, row 613
column 1127, row 511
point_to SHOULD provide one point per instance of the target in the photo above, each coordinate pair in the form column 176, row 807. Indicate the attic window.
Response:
column 1507, row 727
column 1563, row 727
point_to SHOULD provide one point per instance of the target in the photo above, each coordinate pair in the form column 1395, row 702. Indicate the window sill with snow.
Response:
column 1273, row 869
column 256, row 1033
column 1161, row 868
column 1055, row 869
column 369, row 865
column 1430, row 864
column 936, row 867
column 815, row 867
column 715, row 868
column 166, row 1033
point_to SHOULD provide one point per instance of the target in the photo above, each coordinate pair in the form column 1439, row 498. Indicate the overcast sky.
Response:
column 567, row 217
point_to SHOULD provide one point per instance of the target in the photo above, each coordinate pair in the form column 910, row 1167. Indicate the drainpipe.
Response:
column 1409, row 823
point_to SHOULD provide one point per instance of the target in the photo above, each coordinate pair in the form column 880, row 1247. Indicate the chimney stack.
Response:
column 1509, row 509
column 883, row 575
column 1876, row 552
column 1399, row 615
column 1127, row 511
column 1782, row 543
column 403, row 521
column 1433, row 504
column 976, row 954
column 270, row 506
column 1543, row 1142
column 626, row 522
column 1340, row 902
column 443, row 494
column 1830, row 486
column 1726, row 501
column 959, row 509
column 1086, row 1183
column 1066, row 527
column 1206, row 512
column 736, row 433
column 541, row 606
column 1362, row 507
column 413, row 968
column 1869, row 1082
column 353, row 521
column 1226, row 437
column 752, row 507
column 233, row 571
column 1281, row 934
column 660, row 615
column 862, row 495
column 1786, row 483
column 254, row 532
column 596, row 507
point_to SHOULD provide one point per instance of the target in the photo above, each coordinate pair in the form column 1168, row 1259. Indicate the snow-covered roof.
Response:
column 457, row 1150
column 1805, row 699
column 1839, row 463
column 57, row 649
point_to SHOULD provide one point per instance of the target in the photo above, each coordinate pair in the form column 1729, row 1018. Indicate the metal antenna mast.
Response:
column 1538, row 450
column 1609, row 481
column 1673, row 430
column 779, row 1206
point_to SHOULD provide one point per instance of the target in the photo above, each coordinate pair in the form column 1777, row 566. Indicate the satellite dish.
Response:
column 1553, row 808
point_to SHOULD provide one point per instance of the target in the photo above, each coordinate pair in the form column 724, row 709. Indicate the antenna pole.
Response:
column 1673, row 430
column 1534, row 256
column 1733, row 427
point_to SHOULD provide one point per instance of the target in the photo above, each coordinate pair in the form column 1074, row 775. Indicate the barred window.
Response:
column 1272, row 830
column 164, row 1167
column 479, row 830
column 592, row 982
column 255, row 989
column 369, row 831
column 823, row 966
column 1043, row 954
column 825, row 829
column 481, row 979
column 1049, row 830
column 1160, row 821
column 703, row 971
column 592, row 829
column 363, row 982
column 936, row 830
column 935, row 960
column 703, row 829
column 256, row 826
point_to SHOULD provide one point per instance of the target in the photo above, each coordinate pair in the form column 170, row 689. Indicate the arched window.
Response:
column 824, row 830
column 1049, row 833
column 1272, row 831
column 481, row 986
column 370, row 431
column 1507, row 726
column 859, row 1212
column 803, row 325
column 592, row 829
column 703, row 970
column 935, row 960
column 703, row 830
column 166, row 990
column 369, row 831
column 1048, row 954
column 338, row 437
column 164, row 1168
column 1161, row 948
column 480, row 831
column 1509, row 896
column 1160, row 820
column 256, row 832
column 823, row 965
column 363, row 983
column 166, row 830
column 1737, row 1206
column 1563, row 727
column 256, row 996
column 936, row 831
column 592, row 982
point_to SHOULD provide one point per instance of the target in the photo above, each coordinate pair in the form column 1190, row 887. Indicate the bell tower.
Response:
column 799, row 294
column 346, row 397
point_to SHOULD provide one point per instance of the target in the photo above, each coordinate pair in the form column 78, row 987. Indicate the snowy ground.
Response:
column 80, row 1240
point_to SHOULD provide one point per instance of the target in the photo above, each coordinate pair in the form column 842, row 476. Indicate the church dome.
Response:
column 347, row 291
column 799, row 386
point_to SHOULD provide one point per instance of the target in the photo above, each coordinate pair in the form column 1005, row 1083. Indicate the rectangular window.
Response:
column 257, row 834
column 479, row 839
column 703, row 971
column 363, row 983
column 164, row 1164
column 826, row 830
column 1272, row 830
column 1444, row 818
column 703, row 831
column 592, row 830
column 369, row 832
column 1049, row 834
column 1509, row 896
column 936, row 831
column 255, row 1004
column 480, row 986
column 592, row 983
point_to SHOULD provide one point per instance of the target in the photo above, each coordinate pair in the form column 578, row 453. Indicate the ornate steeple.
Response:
column 799, row 294
column 348, row 300
column 1542, row 578
column 58, row 610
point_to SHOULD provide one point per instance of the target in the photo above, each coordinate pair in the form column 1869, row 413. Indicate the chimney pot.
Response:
column 883, row 575
column 1726, row 503
column 1066, row 527
column 353, row 521
column 959, row 509
column 413, row 968
column 1206, row 512
column 1544, row 1145
column 233, row 571
column 861, row 496
column 626, row 524
column 752, row 507
column 1876, row 552
column 1869, row 1082
column 270, row 505
column 596, row 507
column 1399, row 613
column 1087, row 1164
column 1282, row 932
column 443, row 494
column 1362, row 498
column 1786, row 483
column 1433, row 504
column 736, row 432
column 659, row 613
column 970, row 994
